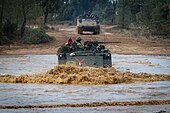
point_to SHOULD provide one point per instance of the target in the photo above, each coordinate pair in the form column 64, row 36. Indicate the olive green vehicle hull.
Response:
column 86, row 58
column 94, row 29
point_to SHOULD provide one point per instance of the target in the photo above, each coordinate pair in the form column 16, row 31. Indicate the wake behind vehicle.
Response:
column 90, row 54
column 88, row 22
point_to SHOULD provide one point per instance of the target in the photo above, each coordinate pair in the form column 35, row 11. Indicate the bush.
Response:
column 9, row 28
column 36, row 36
column 160, row 28
column 4, row 40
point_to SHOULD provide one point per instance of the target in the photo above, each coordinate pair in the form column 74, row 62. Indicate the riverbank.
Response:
column 124, row 43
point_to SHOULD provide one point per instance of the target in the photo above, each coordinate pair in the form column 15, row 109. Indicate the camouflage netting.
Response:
column 69, row 74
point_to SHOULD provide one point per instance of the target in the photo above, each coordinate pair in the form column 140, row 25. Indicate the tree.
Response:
column 135, row 6
column 48, row 6
column 24, row 17
column 1, row 13
column 154, row 16
column 169, row 14
column 27, row 6
column 123, row 17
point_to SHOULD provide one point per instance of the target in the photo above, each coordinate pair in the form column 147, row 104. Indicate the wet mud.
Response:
column 146, row 63
column 70, row 74
column 94, row 104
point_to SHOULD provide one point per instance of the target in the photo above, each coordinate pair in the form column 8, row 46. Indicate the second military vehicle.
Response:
column 90, row 54
column 88, row 22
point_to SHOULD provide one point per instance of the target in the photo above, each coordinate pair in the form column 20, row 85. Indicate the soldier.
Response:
column 67, row 47
column 78, row 45
column 69, row 42
column 78, row 40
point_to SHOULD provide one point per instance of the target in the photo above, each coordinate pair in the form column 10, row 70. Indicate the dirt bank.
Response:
column 68, row 74
column 123, row 43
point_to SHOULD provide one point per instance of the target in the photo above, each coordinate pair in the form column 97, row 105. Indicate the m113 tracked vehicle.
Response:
column 88, row 22
column 91, row 53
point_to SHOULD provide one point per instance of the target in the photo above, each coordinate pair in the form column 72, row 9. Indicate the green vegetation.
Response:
column 36, row 36
column 31, row 36
column 151, row 15
column 148, row 14
column 15, row 18
column 4, row 40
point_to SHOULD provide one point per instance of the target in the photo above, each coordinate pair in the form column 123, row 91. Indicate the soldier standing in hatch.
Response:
column 78, row 45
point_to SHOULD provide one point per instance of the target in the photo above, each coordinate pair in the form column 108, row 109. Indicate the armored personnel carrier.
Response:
column 92, row 53
column 88, row 22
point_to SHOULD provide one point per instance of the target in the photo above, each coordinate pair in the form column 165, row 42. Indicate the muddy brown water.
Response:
column 26, row 64
column 142, row 63
column 22, row 95
column 29, row 64
column 49, row 98
column 46, row 94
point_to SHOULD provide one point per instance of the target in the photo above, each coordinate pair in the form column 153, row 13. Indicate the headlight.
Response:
column 60, row 55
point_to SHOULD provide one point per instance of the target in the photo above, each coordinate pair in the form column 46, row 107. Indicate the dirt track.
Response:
column 123, row 43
